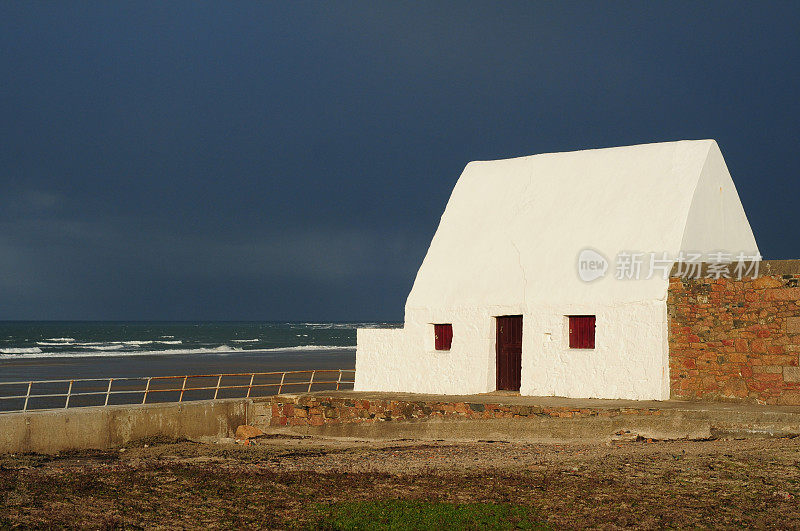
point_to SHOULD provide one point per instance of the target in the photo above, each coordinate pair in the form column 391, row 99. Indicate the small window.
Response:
column 444, row 336
column 581, row 331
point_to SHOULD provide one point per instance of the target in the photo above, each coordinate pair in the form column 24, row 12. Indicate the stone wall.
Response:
column 737, row 339
column 57, row 430
column 319, row 410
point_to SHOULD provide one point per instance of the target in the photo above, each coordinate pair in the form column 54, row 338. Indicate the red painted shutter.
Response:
column 444, row 336
column 581, row 331
column 584, row 331
column 573, row 332
column 590, row 331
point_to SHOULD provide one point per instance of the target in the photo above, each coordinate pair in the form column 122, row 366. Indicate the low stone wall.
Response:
column 106, row 427
column 388, row 416
column 737, row 339
column 315, row 410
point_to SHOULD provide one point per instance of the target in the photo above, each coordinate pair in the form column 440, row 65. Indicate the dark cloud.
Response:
column 280, row 161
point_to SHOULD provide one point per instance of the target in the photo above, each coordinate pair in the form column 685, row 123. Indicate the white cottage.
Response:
column 498, row 302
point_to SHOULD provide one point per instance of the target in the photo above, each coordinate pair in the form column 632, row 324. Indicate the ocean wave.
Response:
column 54, row 343
column 245, row 340
column 27, row 354
column 303, row 347
column 116, row 346
column 106, row 345
column 342, row 326
column 21, row 350
column 106, row 351
column 90, row 343
column 326, row 326
column 95, row 345
column 61, row 339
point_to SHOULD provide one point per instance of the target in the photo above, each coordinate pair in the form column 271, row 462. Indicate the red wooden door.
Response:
column 509, row 352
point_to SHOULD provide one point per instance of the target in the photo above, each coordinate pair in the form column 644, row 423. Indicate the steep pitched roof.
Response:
column 513, row 229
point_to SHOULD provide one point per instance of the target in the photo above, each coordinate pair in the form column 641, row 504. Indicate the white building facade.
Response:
column 514, row 253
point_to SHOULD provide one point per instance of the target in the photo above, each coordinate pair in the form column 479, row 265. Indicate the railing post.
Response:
column 280, row 387
column 146, row 390
column 108, row 391
column 311, row 381
column 69, row 392
column 250, row 387
column 27, row 396
column 216, row 391
column 339, row 380
column 183, row 388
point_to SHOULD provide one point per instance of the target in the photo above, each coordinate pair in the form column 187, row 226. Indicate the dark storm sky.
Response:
column 284, row 161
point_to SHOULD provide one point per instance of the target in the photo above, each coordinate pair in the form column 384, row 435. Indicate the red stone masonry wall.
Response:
column 736, row 339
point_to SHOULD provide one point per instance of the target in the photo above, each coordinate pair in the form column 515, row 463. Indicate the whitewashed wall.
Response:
column 630, row 357
column 508, row 244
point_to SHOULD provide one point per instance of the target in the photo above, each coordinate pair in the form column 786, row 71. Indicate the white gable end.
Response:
column 716, row 220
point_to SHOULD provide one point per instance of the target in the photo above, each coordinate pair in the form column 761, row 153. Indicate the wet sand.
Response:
column 177, row 364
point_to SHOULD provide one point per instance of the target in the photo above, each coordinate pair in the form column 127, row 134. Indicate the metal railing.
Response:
column 103, row 391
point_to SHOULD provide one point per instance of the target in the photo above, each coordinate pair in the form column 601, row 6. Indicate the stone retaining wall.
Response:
column 80, row 428
column 314, row 410
column 737, row 339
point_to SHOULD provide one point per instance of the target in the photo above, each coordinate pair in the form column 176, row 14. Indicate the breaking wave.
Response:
column 116, row 351
column 54, row 344
column 343, row 326
column 117, row 346
column 20, row 350
column 304, row 347
column 14, row 354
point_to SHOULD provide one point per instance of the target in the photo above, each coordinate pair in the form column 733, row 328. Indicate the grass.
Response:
column 424, row 515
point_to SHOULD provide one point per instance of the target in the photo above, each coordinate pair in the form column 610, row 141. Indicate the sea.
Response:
column 72, row 350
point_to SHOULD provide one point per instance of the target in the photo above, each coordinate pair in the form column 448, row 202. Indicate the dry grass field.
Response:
column 307, row 483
